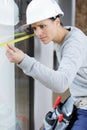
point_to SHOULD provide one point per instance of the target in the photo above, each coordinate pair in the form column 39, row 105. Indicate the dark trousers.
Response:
column 80, row 120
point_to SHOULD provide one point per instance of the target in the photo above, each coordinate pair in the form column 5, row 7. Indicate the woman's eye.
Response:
column 42, row 26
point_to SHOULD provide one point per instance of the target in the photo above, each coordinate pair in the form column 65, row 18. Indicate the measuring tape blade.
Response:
column 17, row 39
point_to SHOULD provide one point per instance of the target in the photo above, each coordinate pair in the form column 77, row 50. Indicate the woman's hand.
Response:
column 14, row 54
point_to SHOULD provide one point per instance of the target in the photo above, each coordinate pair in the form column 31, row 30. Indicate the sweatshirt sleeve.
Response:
column 58, row 80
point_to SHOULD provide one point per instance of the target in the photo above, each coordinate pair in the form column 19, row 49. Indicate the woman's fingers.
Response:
column 14, row 54
column 12, row 48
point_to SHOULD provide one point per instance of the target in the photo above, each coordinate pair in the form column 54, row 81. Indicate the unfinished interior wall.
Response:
column 21, row 80
column 81, row 15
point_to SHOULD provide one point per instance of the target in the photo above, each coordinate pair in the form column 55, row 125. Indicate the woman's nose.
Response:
column 38, row 32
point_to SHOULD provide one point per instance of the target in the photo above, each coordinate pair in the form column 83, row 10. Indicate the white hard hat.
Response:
column 9, row 13
column 39, row 10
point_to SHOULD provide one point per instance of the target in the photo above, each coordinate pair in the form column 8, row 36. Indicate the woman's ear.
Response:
column 57, row 20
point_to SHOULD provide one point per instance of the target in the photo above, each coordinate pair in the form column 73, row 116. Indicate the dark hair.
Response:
column 53, row 19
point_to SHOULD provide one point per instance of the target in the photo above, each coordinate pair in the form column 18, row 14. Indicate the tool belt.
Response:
column 82, row 102
column 59, row 117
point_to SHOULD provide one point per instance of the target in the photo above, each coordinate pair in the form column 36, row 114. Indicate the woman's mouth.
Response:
column 42, row 38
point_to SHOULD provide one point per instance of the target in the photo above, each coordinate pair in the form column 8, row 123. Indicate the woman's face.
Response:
column 45, row 30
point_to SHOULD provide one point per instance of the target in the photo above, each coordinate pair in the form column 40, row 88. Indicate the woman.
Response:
column 71, row 52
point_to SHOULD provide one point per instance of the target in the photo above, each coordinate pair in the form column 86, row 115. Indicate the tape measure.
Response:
column 17, row 38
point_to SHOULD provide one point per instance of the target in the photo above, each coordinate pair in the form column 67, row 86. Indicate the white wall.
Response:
column 43, row 96
column 7, row 89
